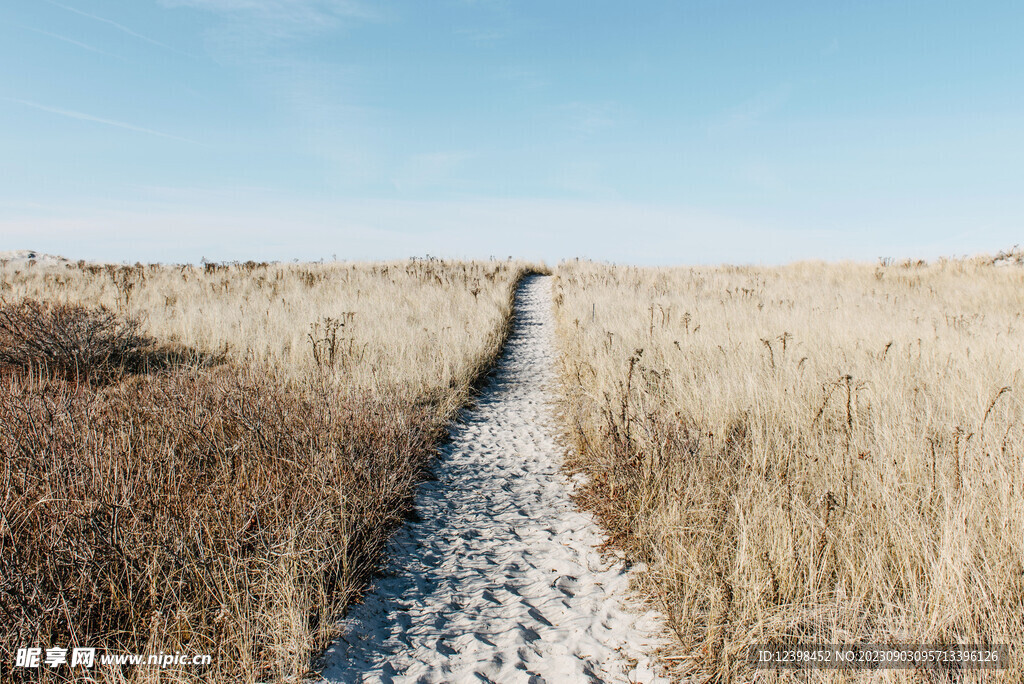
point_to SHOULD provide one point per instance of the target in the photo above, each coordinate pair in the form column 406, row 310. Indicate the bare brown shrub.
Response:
column 202, row 511
column 68, row 340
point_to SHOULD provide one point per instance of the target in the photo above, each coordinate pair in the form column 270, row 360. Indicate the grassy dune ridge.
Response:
column 226, row 480
column 831, row 453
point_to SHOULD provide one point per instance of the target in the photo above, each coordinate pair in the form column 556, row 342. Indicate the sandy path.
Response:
column 500, row 580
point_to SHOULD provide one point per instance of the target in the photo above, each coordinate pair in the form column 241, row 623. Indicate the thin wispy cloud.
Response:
column 286, row 8
column 96, row 119
column 72, row 41
column 110, row 22
column 284, row 18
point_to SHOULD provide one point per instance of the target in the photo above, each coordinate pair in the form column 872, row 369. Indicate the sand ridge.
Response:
column 500, row 580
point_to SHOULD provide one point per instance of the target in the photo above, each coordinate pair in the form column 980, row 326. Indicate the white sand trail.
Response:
column 499, row 580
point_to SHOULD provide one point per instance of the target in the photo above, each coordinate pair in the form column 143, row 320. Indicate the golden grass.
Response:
column 409, row 324
column 830, row 453
column 226, row 485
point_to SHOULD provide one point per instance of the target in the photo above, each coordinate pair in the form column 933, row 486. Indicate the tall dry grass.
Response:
column 210, row 460
column 825, row 453
column 410, row 323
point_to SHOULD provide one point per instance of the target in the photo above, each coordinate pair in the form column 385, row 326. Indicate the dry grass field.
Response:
column 209, row 459
column 826, row 453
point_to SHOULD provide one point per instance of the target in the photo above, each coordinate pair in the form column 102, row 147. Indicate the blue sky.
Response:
column 653, row 132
